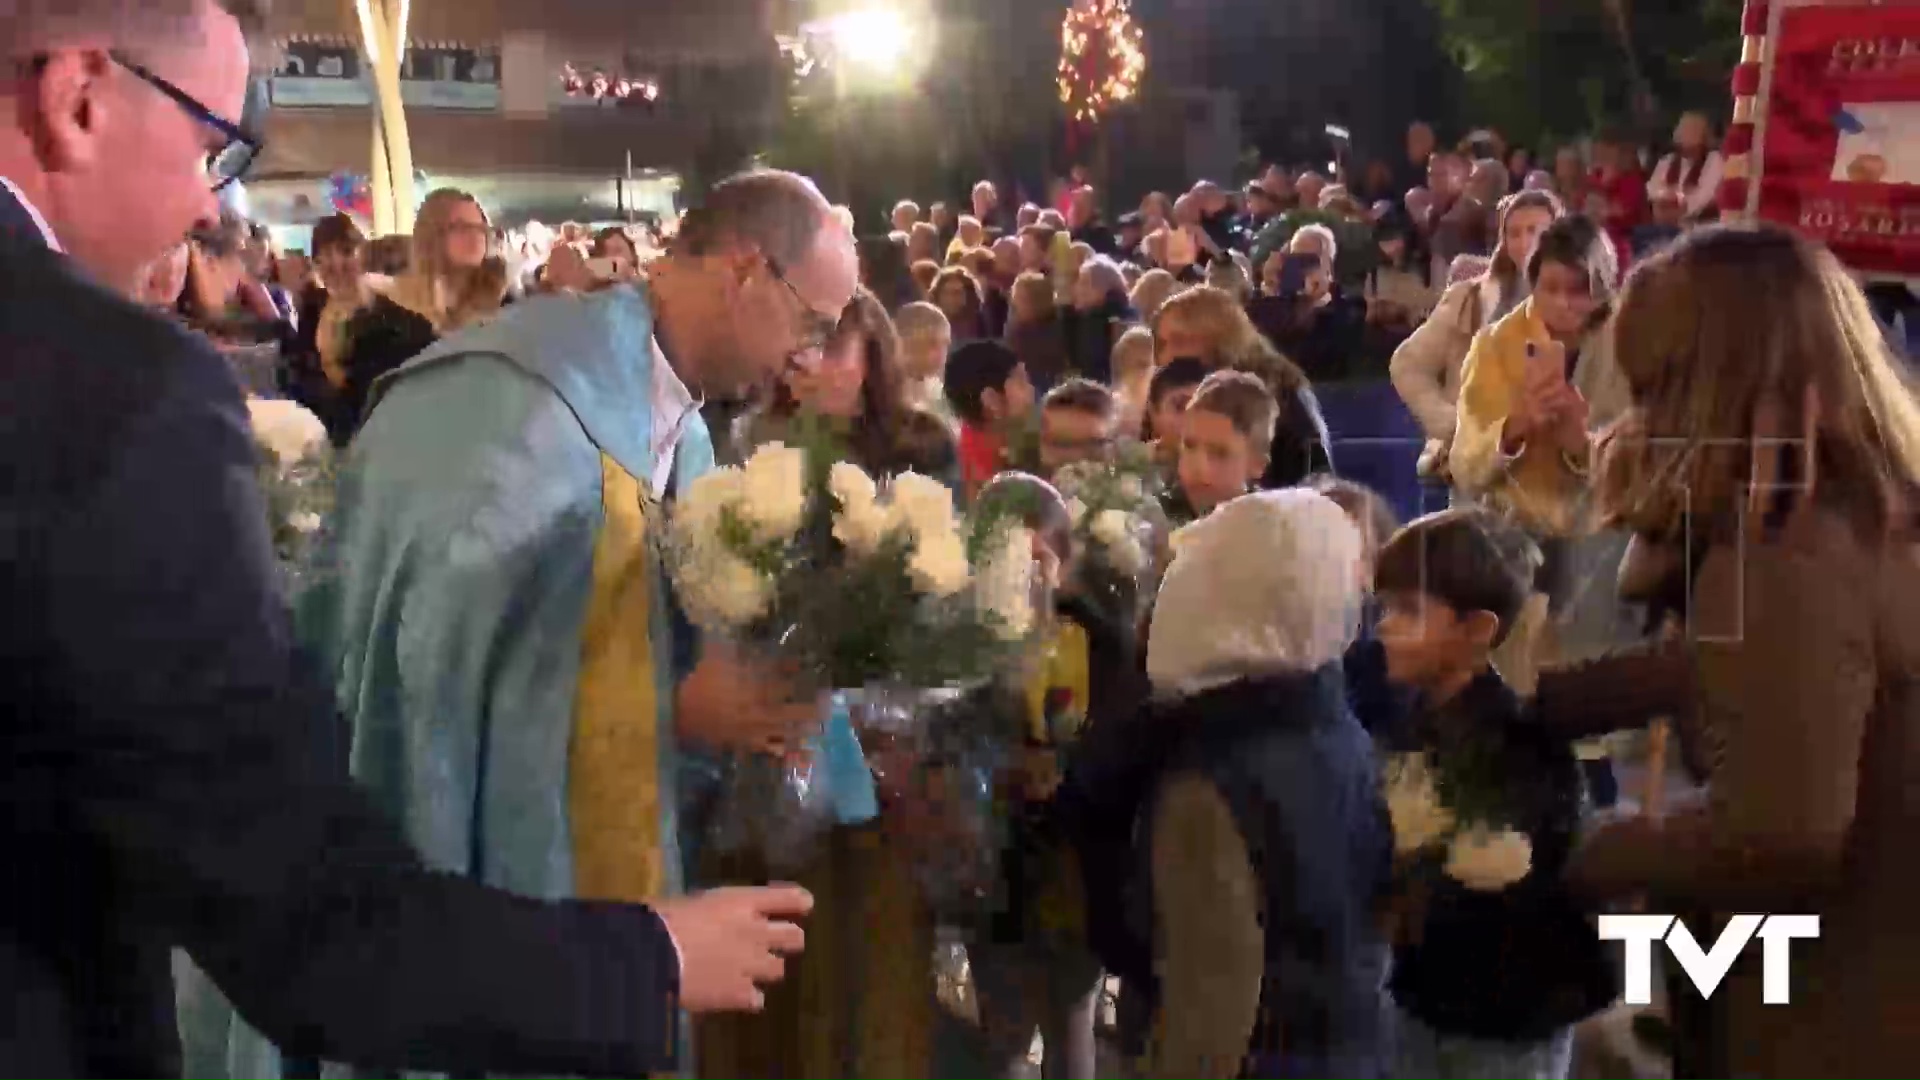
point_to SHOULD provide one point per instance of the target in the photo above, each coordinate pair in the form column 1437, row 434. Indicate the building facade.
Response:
column 485, row 89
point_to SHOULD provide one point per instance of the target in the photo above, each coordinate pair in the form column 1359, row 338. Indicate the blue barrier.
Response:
column 1377, row 442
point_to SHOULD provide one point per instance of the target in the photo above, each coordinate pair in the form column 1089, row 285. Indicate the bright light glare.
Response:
column 875, row 39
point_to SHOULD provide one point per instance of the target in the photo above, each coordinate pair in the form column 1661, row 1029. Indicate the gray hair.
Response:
column 32, row 25
column 1329, row 245
column 780, row 213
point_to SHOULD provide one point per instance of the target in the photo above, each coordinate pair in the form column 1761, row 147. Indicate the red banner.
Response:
column 1841, row 162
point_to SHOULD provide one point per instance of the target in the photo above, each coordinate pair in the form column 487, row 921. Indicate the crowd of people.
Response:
column 449, row 817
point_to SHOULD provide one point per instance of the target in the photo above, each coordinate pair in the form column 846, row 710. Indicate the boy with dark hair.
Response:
column 1079, row 420
column 1224, row 438
column 991, row 395
column 1168, row 393
column 1488, row 979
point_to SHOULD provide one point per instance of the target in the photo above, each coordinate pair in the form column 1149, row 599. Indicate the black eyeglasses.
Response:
column 815, row 329
column 235, row 157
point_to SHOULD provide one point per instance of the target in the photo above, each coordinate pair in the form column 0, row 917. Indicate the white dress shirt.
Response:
column 673, row 407
column 46, row 230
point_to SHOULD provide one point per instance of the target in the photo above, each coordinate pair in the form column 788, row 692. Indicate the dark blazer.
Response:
column 168, row 777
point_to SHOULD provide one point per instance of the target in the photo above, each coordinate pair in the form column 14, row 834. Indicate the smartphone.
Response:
column 604, row 269
column 1293, row 273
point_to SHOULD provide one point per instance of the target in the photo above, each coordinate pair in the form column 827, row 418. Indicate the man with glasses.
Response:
column 169, row 777
column 500, row 635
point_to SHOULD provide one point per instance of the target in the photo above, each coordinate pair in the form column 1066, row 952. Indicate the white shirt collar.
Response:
column 673, row 406
column 46, row 230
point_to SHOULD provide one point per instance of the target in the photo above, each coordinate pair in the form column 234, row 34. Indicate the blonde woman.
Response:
column 1774, row 454
column 450, row 282
column 1152, row 290
column 1426, row 367
column 1209, row 325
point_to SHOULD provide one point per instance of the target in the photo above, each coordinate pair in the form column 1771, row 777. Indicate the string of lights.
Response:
column 600, row 86
column 1102, row 58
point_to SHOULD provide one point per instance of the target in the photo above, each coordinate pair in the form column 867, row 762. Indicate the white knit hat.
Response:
column 1268, row 583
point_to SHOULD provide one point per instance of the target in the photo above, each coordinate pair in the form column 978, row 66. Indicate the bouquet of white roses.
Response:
column 862, row 586
column 296, row 475
column 1117, row 518
column 864, row 589
column 1432, row 810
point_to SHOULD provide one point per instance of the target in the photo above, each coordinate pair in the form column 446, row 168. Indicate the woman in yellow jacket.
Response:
column 1533, row 387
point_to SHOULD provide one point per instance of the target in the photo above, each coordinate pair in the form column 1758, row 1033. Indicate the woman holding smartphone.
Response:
column 1533, row 387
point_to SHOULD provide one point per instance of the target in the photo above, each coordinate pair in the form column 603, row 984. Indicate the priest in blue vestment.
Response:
column 497, row 626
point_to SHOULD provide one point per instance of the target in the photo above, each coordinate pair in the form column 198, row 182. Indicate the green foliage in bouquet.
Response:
column 1117, row 520
column 802, row 553
column 296, row 476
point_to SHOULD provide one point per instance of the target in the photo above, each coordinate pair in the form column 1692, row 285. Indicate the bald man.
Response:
column 499, row 634
column 169, row 776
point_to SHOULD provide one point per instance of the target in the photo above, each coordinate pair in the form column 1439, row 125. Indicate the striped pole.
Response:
column 1739, row 189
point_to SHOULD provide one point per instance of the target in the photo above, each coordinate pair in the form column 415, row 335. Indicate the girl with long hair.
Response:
column 1426, row 367
column 450, row 281
column 1769, row 468
column 859, row 388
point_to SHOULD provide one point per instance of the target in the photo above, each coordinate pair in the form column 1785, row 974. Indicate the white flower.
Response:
column 1131, row 489
column 775, row 491
column 1128, row 557
column 939, row 564
column 850, row 486
column 1413, row 804
column 726, row 590
column 304, row 521
column 286, row 429
column 1006, row 583
column 921, row 504
column 860, row 528
column 1488, row 861
column 1112, row 527
column 699, row 510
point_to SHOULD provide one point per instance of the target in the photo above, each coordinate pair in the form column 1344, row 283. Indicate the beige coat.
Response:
column 1426, row 367
column 1807, row 649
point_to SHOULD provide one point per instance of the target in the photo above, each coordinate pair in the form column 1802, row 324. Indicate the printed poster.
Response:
column 1841, row 161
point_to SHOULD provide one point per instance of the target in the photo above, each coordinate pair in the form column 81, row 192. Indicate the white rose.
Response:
column 1419, row 818
column 1076, row 512
column 1112, row 527
column 939, row 564
column 1488, row 861
column 860, row 528
column 697, row 512
column 1128, row 557
column 286, row 429
column 730, row 590
column 304, row 521
column 775, row 496
column 922, row 504
column 1006, row 584
column 850, row 486
column 1131, row 489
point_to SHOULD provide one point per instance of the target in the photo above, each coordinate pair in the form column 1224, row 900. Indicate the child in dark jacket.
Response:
column 1234, row 836
column 1494, row 960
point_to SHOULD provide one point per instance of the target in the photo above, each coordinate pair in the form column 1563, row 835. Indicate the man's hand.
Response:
column 731, row 702
column 732, row 941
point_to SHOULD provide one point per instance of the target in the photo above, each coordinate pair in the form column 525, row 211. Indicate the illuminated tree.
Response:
column 1102, row 59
